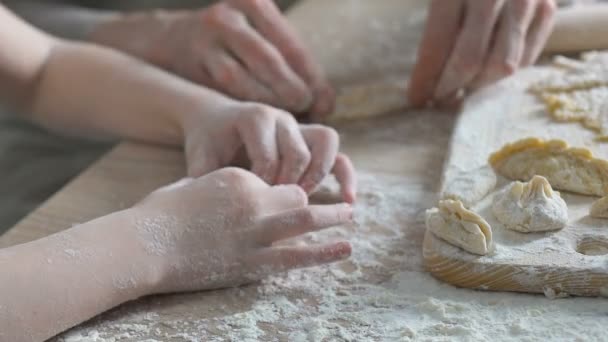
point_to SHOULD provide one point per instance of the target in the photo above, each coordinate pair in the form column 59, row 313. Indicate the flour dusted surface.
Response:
column 382, row 293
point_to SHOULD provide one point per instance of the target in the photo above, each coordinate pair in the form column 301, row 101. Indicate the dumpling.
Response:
column 530, row 207
column 566, row 168
column 452, row 222
column 599, row 208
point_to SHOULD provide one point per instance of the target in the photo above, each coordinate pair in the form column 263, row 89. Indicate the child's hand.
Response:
column 219, row 230
column 278, row 149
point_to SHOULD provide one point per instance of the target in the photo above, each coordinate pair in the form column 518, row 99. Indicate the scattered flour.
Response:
column 380, row 294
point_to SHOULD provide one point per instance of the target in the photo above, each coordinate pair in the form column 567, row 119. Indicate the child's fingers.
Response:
column 346, row 176
column 293, row 151
column 323, row 143
column 258, row 131
column 282, row 198
column 300, row 221
column 279, row 259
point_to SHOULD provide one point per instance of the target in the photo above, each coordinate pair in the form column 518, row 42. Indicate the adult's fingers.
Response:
column 266, row 64
column 231, row 77
column 279, row 259
column 293, row 151
column 299, row 221
column 323, row 143
column 346, row 176
column 258, row 131
column 539, row 32
column 471, row 47
column 442, row 27
column 509, row 42
column 270, row 22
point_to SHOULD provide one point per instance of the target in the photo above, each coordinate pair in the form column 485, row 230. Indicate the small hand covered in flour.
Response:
column 470, row 43
column 219, row 230
column 244, row 48
column 278, row 149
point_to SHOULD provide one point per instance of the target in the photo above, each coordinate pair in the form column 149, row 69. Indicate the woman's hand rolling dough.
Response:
column 469, row 43
column 244, row 48
column 277, row 148
column 219, row 230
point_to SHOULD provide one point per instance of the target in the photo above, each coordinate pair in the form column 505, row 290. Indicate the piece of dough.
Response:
column 599, row 208
column 577, row 92
column 370, row 99
column 589, row 107
column 530, row 207
column 566, row 168
column 452, row 222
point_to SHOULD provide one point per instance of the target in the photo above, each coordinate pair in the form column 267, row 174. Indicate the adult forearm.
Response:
column 52, row 284
column 61, row 19
column 89, row 91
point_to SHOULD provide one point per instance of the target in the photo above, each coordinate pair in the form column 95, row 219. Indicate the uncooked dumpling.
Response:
column 599, row 208
column 566, row 168
column 452, row 222
column 530, row 207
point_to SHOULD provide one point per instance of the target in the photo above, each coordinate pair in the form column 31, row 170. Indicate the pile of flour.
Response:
column 382, row 293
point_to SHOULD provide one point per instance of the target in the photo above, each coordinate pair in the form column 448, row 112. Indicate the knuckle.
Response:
column 226, row 75
column 547, row 8
column 300, row 195
column 216, row 15
column 327, row 134
column 506, row 67
column 222, row 16
column 256, row 5
column 305, row 217
column 301, row 158
column 235, row 175
column 255, row 114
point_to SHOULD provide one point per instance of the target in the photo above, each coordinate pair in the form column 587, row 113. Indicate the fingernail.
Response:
column 308, row 186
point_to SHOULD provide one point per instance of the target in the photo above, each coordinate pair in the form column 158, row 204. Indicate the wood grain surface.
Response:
column 410, row 145
column 558, row 262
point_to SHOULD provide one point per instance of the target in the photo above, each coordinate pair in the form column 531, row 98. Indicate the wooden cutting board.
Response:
column 572, row 261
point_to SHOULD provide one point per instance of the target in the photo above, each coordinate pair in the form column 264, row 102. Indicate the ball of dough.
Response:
column 530, row 207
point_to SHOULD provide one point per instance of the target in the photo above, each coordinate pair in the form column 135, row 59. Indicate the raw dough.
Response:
column 566, row 168
column 530, row 207
column 599, row 208
column 587, row 106
column 578, row 91
column 370, row 99
column 452, row 222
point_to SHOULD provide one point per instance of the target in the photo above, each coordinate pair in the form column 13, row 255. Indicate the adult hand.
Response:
column 219, row 230
column 244, row 48
column 470, row 43
column 276, row 147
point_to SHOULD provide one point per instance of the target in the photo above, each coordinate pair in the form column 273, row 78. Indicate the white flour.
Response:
column 382, row 293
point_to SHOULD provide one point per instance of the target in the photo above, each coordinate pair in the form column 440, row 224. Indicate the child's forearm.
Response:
column 52, row 284
column 92, row 91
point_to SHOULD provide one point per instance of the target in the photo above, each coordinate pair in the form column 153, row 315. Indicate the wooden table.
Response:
column 410, row 146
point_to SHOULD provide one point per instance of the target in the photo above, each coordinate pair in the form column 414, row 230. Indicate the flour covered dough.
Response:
column 530, row 207
column 566, row 168
column 452, row 222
